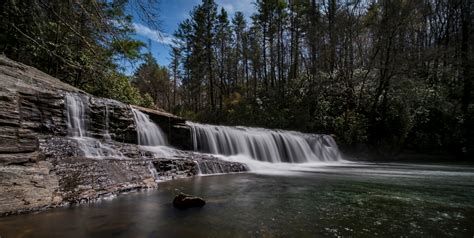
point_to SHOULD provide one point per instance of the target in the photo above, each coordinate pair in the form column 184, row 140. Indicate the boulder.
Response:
column 183, row 201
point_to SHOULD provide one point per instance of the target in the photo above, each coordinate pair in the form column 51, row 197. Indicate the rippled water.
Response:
column 355, row 200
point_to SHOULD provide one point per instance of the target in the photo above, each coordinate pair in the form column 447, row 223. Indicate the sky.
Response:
column 172, row 12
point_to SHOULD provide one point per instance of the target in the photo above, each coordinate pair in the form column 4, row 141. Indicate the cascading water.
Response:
column 149, row 134
column 76, row 122
column 107, row 136
column 212, row 167
column 75, row 115
column 245, row 145
column 275, row 146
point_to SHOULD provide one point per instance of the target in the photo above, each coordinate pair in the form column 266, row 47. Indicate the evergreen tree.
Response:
column 390, row 75
column 154, row 80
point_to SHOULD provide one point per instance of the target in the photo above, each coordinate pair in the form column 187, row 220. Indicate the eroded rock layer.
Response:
column 42, row 166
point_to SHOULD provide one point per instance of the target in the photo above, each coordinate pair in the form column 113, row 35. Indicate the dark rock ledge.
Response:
column 40, row 167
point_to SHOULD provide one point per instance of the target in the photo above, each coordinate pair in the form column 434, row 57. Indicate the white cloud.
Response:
column 228, row 7
column 245, row 6
column 153, row 35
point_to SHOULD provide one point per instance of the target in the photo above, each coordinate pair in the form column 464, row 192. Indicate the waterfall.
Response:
column 75, row 108
column 153, row 172
column 149, row 134
column 212, row 167
column 107, row 136
column 275, row 146
column 76, row 111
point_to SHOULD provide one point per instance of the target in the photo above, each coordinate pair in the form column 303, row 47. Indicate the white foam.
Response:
column 274, row 146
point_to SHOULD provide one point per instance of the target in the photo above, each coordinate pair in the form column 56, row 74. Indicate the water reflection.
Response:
column 360, row 200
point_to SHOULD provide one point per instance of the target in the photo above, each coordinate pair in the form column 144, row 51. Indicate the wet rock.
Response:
column 41, row 167
column 207, row 164
column 183, row 201
column 175, row 127
column 185, row 163
column 179, row 136
column 169, row 169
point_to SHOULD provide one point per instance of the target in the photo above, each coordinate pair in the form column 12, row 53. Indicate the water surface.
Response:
column 356, row 200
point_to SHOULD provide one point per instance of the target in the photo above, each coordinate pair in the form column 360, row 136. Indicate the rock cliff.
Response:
column 42, row 166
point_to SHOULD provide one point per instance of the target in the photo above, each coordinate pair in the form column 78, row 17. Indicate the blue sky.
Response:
column 172, row 12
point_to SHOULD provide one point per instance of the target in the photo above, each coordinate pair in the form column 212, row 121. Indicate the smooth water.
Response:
column 149, row 134
column 348, row 200
column 299, row 187
column 77, row 113
column 274, row 146
column 75, row 108
column 241, row 144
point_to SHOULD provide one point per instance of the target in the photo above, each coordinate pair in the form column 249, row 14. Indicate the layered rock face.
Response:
column 42, row 165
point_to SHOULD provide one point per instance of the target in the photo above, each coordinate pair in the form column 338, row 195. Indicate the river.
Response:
column 347, row 199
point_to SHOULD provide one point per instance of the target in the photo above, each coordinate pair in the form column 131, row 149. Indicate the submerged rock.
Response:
column 183, row 201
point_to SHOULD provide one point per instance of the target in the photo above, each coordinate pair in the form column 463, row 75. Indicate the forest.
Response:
column 385, row 76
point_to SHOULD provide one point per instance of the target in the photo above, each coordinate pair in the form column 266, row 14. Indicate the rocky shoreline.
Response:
column 42, row 167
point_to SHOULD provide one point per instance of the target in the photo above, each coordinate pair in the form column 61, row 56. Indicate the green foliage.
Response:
column 127, row 48
column 153, row 80
column 369, row 73
column 351, row 128
column 117, row 86
column 389, row 75
column 79, row 42
column 147, row 101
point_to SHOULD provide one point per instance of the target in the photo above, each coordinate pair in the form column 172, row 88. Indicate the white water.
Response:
column 262, row 167
column 107, row 136
column 94, row 148
column 262, row 150
column 76, row 107
column 153, row 172
column 258, row 144
column 213, row 167
column 161, row 151
column 149, row 134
